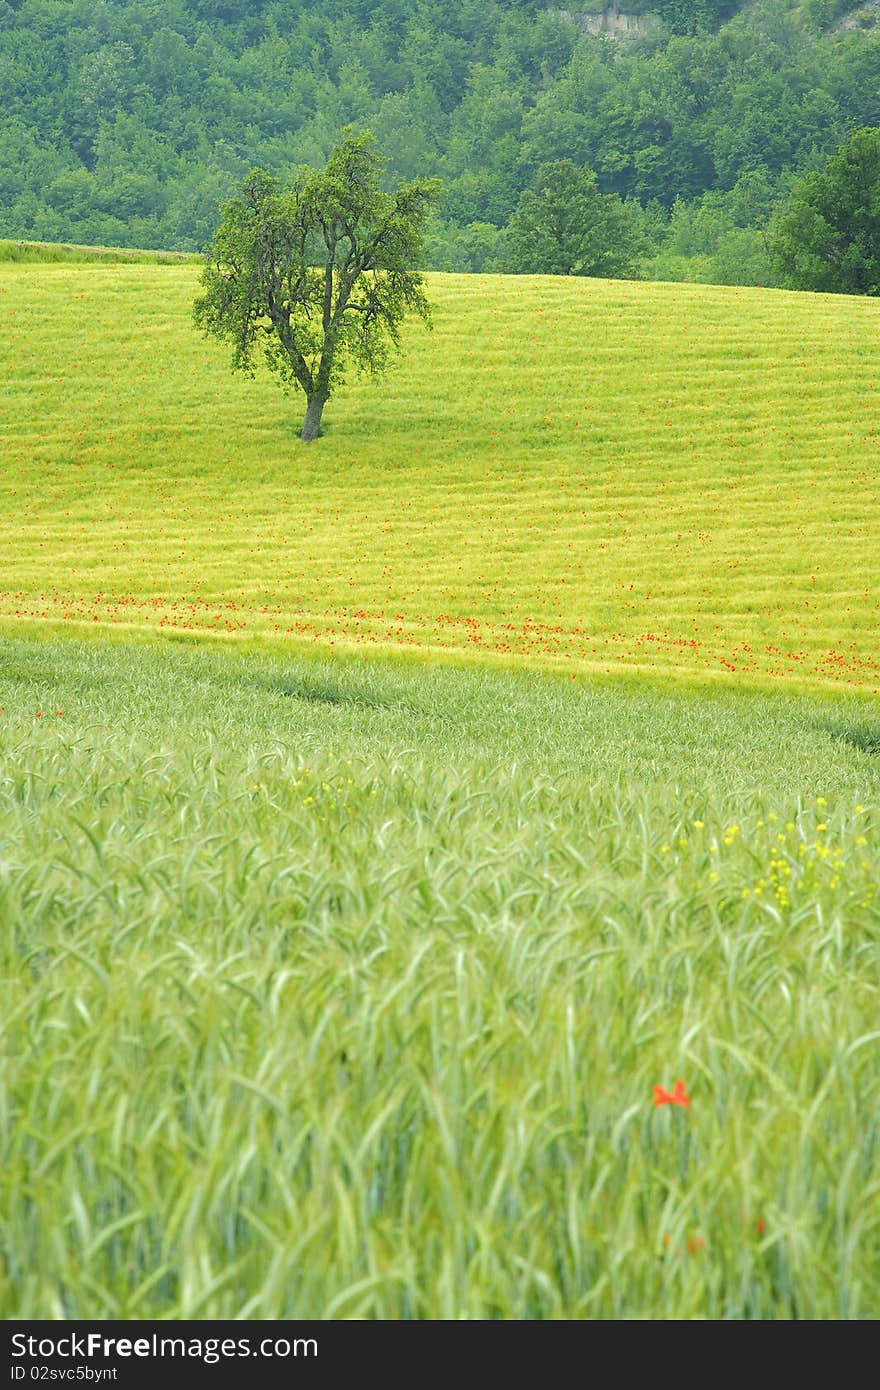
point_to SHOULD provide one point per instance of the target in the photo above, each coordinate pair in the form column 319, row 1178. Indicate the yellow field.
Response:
column 602, row 475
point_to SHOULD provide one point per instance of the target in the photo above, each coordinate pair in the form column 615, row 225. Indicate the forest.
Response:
column 127, row 122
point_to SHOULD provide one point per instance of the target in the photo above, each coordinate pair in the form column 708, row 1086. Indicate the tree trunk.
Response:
column 312, row 423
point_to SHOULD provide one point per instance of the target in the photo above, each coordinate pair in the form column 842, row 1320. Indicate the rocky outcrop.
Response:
column 612, row 20
column 866, row 17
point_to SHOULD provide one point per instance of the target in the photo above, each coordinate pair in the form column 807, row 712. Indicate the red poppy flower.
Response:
column 677, row 1096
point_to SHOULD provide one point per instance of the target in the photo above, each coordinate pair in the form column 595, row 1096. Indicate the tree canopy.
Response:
column 565, row 226
column 829, row 238
column 317, row 276
column 126, row 122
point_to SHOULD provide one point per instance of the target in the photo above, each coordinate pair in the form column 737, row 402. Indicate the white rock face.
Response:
column 866, row 17
column 614, row 21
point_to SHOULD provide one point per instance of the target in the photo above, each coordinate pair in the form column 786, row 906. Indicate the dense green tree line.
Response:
column 127, row 121
column 829, row 236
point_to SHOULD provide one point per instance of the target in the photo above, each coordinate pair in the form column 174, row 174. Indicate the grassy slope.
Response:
column 597, row 474
column 342, row 990
column 333, row 989
column 54, row 252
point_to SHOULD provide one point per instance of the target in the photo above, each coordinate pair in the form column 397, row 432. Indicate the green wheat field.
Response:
column 382, row 820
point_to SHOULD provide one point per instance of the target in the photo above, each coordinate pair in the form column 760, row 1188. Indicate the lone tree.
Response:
column 829, row 237
column 317, row 276
column 565, row 226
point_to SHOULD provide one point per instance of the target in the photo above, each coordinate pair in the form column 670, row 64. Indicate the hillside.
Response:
column 439, row 864
column 126, row 124
column 598, row 476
